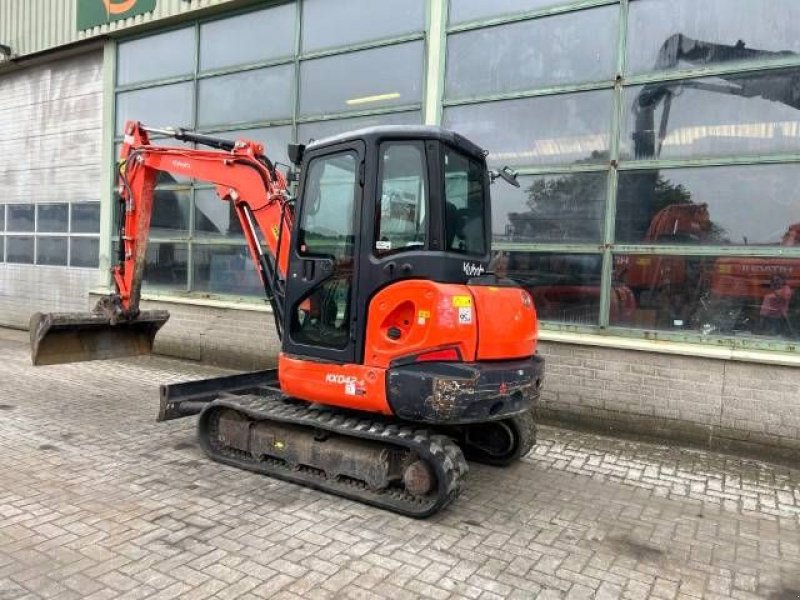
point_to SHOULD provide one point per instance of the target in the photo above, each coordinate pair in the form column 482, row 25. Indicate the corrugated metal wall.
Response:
column 30, row 26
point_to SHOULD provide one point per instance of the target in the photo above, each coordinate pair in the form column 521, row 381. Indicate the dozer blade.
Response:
column 58, row 338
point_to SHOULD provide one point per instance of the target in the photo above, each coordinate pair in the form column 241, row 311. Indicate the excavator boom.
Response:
column 243, row 176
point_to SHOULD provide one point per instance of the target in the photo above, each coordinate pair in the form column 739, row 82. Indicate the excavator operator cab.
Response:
column 376, row 206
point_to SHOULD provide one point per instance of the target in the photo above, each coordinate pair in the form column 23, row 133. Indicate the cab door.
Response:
column 321, row 284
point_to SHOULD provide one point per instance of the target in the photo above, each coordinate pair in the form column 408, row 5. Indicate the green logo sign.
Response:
column 99, row 12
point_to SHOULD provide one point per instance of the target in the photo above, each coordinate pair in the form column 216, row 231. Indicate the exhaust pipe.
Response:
column 58, row 338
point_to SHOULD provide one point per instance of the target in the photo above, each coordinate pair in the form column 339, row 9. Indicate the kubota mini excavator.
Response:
column 399, row 350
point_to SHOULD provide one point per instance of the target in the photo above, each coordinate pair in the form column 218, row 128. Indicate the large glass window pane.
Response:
column 567, row 48
column 21, row 217
column 327, row 24
column 258, row 95
column 170, row 214
column 159, row 56
column 677, row 34
column 85, row 252
column 225, row 270
column 729, row 296
column 745, row 113
column 248, row 38
column 565, row 128
column 472, row 10
column 215, row 218
column 740, row 205
column 165, row 106
column 274, row 139
column 51, row 251
column 403, row 198
column 550, row 208
column 2, row 248
column 86, row 217
column 565, row 287
column 166, row 265
column 52, row 218
column 20, row 249
column 377, row 78
column 318, row 130
column 2, row 217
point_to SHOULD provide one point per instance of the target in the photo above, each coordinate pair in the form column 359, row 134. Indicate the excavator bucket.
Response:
column 58, row 338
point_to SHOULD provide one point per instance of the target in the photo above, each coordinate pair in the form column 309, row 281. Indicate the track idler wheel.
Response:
column 418, row 478
column 500, row 443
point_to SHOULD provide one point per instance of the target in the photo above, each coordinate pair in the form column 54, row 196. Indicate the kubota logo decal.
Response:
column 92, row 13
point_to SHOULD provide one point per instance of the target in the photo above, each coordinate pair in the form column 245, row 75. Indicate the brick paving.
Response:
column 99, row 501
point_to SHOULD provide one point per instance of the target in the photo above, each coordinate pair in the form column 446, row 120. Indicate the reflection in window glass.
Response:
column 741, row 205
column 402, row 203
column 166, row 265
column 2, row 217
column 168, row 105
column 2, row 248
column 745, row 113
column 225, row 270
column 247, row 31
column 377, row 78
column 214, row 217
column 677, row 34
column 327, row 24
column 159, row 56
column 551, row 208
column 52, row 218
column 170, row 213
column 329, row 197
column 465, row 204
column 21, row 217
column 51, row 251
column 244, row 97
column 472, row 10
column 85, row 252
column 568, row 48
column 728, row 296
column 19, row 249
column 274, row 139
column 566, row 128
column 86, row 217
column 565, row 287
column 321, row 129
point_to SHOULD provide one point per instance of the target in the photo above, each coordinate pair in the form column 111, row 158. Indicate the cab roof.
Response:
column 375, row 135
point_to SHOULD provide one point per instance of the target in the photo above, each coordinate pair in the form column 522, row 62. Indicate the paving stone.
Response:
column 99, row 501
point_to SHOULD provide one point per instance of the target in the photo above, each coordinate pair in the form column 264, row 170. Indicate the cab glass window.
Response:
column 326, row 228
column 402, row 211
column 465, row 214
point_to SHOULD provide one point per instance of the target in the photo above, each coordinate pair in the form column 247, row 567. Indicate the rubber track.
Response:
column 439, row 451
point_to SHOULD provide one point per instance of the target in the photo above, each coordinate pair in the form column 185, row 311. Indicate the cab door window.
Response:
column 402, row 201
column 326, row 231
column 465, row 197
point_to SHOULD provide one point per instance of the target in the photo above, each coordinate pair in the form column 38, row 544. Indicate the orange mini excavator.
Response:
column 400, row 352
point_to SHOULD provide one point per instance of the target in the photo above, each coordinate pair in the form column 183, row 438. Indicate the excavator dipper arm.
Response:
column 242, row 175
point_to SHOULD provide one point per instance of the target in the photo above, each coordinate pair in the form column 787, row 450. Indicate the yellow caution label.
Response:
column 275, row 231
column 424, row 314
column 462, row 301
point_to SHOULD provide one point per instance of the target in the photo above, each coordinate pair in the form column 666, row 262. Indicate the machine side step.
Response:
column 241, row 431
column 180, row 400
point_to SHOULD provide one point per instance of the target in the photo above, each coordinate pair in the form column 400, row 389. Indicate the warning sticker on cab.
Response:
column 465, row 315
column 462, row 301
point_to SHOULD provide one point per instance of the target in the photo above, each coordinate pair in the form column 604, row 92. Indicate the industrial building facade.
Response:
column 657, row 143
